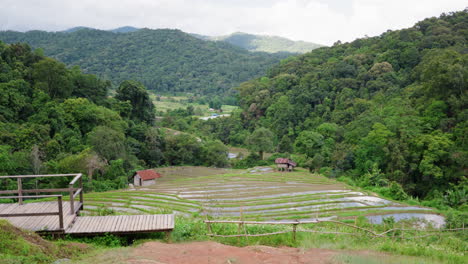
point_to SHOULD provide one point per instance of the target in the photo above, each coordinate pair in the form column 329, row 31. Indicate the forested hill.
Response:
column 264, row 43
column 386, row 111
column 55, row 119
column 163, row 60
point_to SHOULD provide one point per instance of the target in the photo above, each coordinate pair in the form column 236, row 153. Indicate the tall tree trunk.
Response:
column 261, row 155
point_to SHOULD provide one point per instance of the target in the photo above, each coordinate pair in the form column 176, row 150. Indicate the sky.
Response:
column 318, row 21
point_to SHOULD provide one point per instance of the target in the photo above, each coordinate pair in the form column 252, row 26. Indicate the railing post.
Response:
column 60, row 211
column 20, row 191
column 81, row 192
column 294, row 232
column 72, row 200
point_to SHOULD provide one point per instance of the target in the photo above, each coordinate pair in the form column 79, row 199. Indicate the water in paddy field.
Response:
column 436, row 220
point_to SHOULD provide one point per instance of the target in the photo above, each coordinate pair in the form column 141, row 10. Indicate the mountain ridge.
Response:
column 251, row 42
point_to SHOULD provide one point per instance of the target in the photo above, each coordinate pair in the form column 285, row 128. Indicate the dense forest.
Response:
column 388, row 112
column 271, row 44
column 163, row 60
column 55, row 119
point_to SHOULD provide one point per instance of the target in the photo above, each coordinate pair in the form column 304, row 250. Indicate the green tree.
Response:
column 107, row 142
column 309, row 143
column 261, row 140
column 137, row 95
column 285, row 145
column 216, row 154
column 52, row 77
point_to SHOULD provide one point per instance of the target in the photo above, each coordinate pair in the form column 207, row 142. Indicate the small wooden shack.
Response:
column 145, row 177
column 285, row 164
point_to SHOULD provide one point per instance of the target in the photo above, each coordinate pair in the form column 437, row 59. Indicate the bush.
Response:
column 252, row 160
column 456, row 219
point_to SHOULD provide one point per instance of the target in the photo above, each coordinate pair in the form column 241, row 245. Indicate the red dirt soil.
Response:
column 215, row 253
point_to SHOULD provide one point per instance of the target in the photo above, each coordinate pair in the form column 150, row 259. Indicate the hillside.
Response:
column 163, row 60
column 59, row 120
column 20, row 246
column 387, row 112
column 271, row 44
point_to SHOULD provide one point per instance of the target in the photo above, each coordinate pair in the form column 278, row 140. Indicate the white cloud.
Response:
column 312, row 20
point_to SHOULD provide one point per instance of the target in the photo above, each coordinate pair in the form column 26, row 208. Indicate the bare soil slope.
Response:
column 214, row 253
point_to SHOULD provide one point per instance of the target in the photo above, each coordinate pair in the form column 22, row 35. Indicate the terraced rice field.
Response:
column 254, row 194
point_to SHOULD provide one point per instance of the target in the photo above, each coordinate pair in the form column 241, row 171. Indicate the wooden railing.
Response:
column 74, row 192
column 59, row 212
column 362, row 231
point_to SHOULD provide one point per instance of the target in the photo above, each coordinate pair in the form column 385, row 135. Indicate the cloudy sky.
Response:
column 320, row 21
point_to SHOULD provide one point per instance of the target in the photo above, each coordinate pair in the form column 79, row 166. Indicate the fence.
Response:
column 295, row 224
column 73, row 192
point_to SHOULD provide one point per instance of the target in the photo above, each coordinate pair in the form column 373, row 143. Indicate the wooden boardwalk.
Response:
column 121, row 224
column 47, row 223
column 62, row 217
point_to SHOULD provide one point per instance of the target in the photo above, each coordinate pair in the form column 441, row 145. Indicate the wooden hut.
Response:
column 285, row 164
column 145, row 177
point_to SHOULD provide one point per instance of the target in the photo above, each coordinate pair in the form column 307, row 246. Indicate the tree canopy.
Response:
column 163, row 60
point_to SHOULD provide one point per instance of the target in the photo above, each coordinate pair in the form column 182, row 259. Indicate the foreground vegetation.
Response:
column 21, row 247
column 18, row 247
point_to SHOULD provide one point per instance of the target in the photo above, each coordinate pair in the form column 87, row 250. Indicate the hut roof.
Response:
column 285, row 161
column 148, row 174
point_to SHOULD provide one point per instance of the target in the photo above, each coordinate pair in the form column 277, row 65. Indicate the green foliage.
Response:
column 389, row 111
column 53, row 78
column 18, row 247
column 260, row 140
column 252, row 160
column 216, row 154
column 163, row 60
column 108, row 143
column 183, row 149
column 136, row 94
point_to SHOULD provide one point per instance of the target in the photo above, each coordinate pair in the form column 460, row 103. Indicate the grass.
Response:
column 18, row 246
column 436, row 248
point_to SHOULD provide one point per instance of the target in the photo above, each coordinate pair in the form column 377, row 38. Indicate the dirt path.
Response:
column 216, row 253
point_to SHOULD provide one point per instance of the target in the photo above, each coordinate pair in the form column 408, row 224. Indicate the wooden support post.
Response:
column 168, row 237
column 238, row 232
column 208, row 225
column 72, row 200
column 60, row 211
column 81, row 193
column 20, row 191
column 294, row 232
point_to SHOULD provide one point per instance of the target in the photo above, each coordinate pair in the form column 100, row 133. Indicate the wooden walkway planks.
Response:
column 121, row 224
column 73, row 224
column 38, row 223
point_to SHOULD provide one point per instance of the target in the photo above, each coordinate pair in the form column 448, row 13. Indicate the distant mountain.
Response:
column 164, row 60
column 125, row 29
column 74, row 29
column 269, row 44
column 250, row 42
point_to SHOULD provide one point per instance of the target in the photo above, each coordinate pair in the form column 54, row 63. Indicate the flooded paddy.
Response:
column 435, row 220
column 259, row 193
